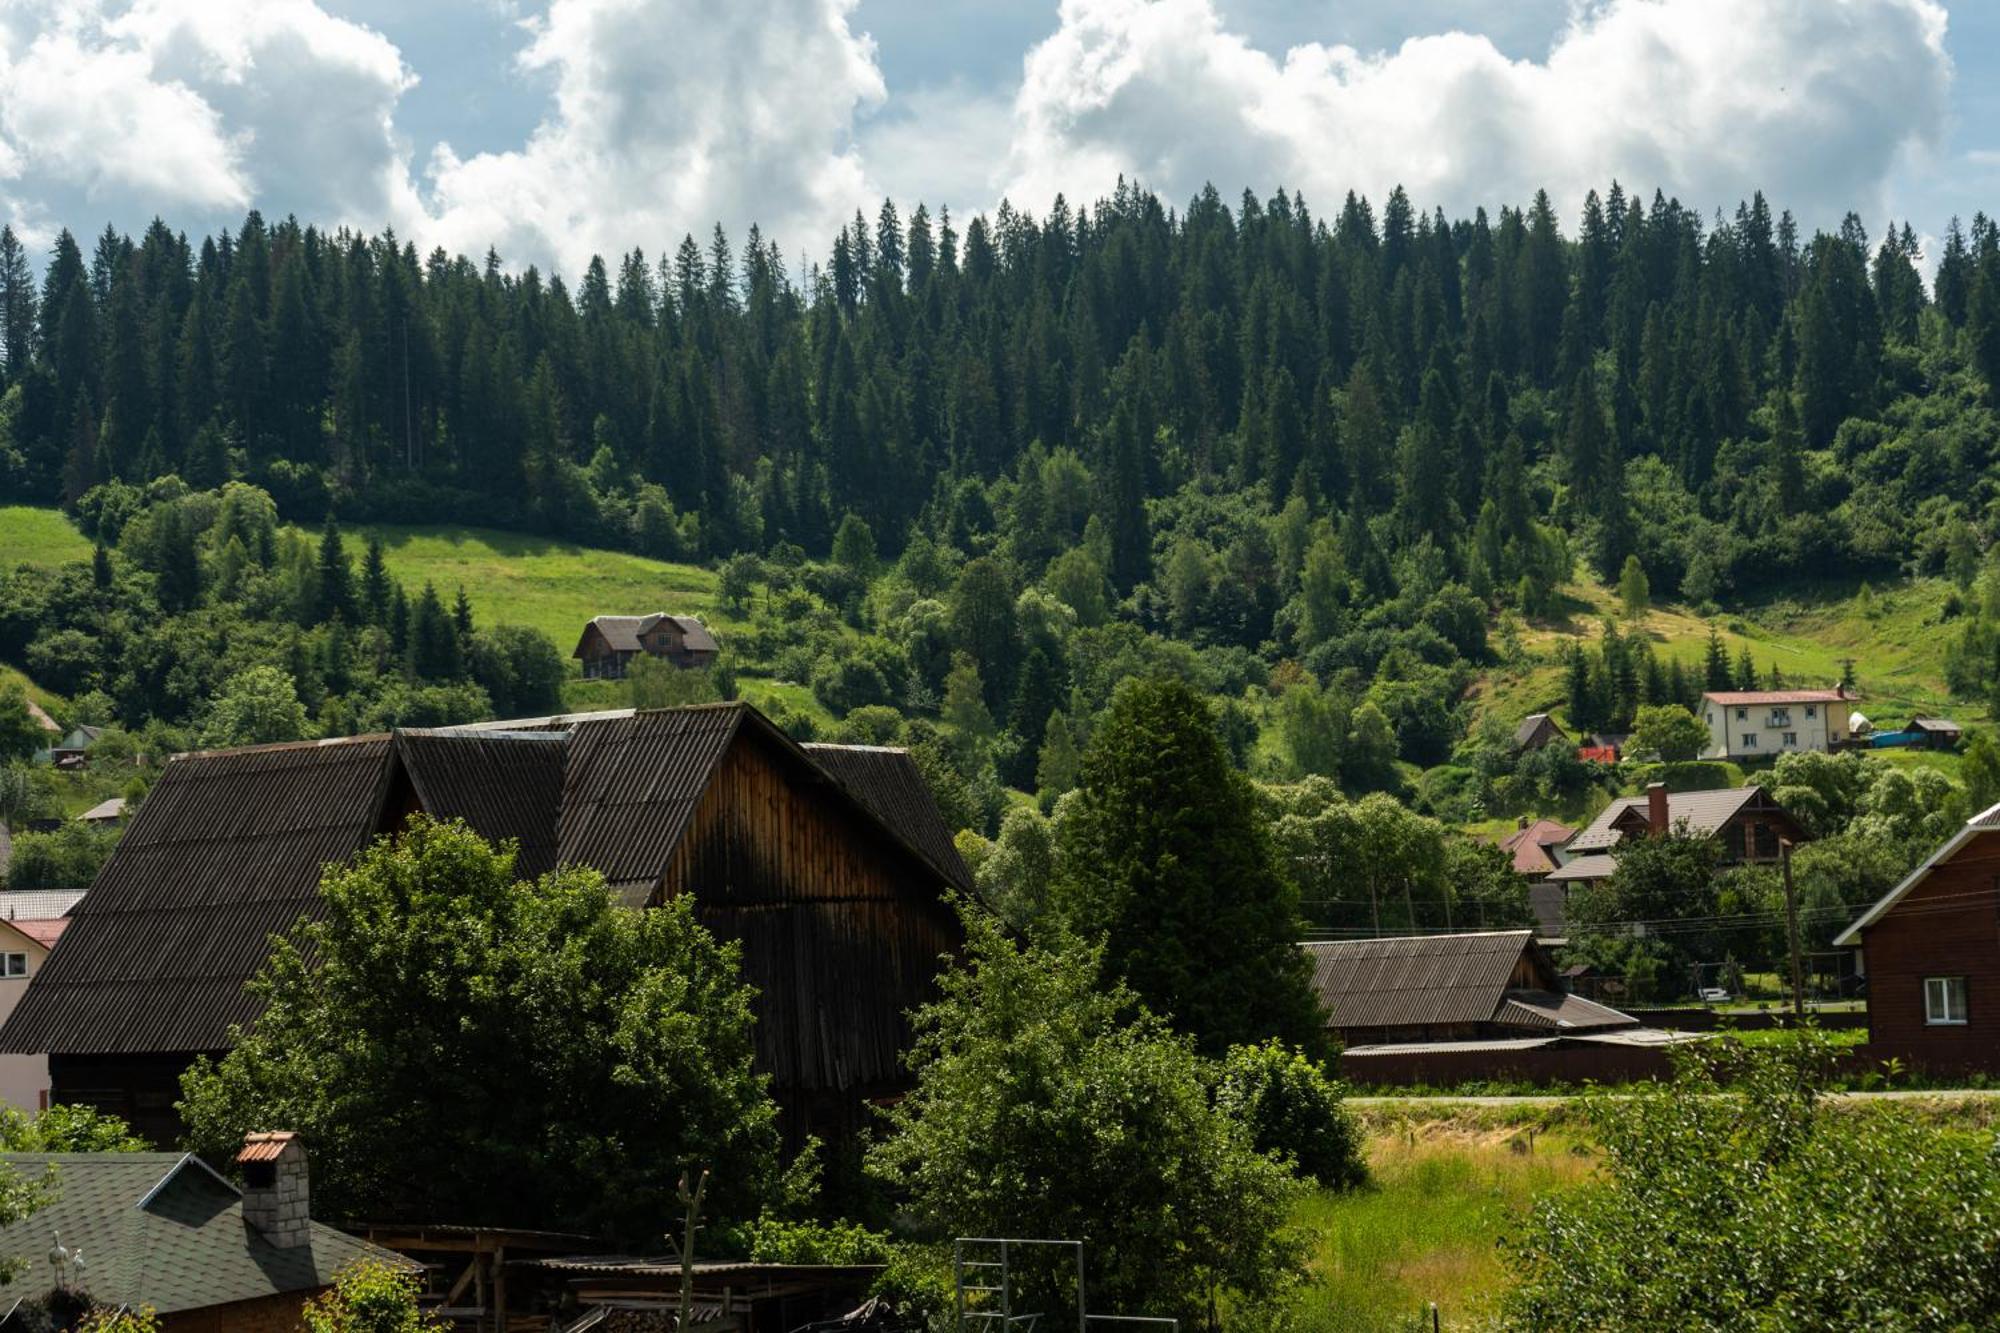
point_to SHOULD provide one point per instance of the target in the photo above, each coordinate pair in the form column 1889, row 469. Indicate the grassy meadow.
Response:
column 30, row 536
column 1429, row 1227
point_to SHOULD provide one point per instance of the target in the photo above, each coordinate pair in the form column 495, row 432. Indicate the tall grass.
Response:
column 1428, row 1228
column 30, row 536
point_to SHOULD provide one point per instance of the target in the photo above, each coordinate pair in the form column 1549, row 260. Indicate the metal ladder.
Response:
column 976, row 1277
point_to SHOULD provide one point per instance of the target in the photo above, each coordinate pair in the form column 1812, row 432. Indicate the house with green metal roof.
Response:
column 166, row 1230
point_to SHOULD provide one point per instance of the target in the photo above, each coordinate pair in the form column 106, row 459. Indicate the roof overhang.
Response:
column 1974, row 827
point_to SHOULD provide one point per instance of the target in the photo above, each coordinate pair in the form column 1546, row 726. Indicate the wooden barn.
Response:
column 829, row 864
column 1930, row 949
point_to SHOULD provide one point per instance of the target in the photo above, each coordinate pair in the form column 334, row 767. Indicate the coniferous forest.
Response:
column 1732, row 401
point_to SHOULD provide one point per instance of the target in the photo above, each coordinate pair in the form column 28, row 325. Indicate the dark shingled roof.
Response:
column 622, row 633
column 1532, row 725
column 888, row 782
column 225, row 852
column 503, row 784
column 162, row 1229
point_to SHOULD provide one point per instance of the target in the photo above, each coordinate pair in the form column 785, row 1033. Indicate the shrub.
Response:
column 371, row 1297
column 1292, row 1109
column 1733, row 1197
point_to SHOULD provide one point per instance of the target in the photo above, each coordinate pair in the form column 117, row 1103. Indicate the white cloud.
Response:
column 201, row 110
column 1813, row 101
column 671, row 115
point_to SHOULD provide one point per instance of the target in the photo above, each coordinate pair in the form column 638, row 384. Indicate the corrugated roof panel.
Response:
column 1415, row 980
column 888, row 782
column 503, row 785
column 226, row 850
column 632, row 783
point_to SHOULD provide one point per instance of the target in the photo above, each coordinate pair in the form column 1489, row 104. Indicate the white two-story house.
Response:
column 1761, row 724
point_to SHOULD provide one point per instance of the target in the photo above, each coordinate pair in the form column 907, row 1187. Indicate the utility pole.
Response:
column 1792, row 931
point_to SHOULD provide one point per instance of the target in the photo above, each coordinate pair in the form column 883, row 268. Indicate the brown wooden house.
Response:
column 609, row 643
column 828, row 865
column 1930, row 949
column 1748, row 822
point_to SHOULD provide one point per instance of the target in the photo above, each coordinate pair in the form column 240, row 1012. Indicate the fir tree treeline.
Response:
column 1729, row 400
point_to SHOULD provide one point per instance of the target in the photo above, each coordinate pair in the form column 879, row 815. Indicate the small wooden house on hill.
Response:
column 609, row 643
column 830, row 868
column 1535, row 731
column 1930, row 949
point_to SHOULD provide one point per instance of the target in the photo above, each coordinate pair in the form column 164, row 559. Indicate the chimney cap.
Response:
column 265, row 1145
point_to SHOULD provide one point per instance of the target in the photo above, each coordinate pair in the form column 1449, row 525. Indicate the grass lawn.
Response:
column 554, row 586
column 30, row 536
column 1429, row 1225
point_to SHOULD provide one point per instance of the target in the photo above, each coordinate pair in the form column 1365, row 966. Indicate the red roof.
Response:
column 44, row 933
column 265, row 1146
column 1735, row 698
column 1529, row 846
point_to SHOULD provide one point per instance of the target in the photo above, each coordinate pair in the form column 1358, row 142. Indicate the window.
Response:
column 1742, row 715
column 14, row 965
column 1791, row 738
column 1944, row 1001
column 1749, row 740
column 1811, row 712
column 1781, row 717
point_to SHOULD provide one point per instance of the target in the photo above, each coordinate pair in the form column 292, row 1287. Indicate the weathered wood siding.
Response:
column 842, row 927
column 1947, row 926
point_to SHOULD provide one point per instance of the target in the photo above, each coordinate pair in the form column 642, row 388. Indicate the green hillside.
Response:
column 1896, row 643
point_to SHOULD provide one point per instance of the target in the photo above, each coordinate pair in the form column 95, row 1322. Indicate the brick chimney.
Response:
column 276, row 1200
column 1656, row 808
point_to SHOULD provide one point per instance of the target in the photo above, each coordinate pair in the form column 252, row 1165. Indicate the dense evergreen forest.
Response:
column 1732, row 402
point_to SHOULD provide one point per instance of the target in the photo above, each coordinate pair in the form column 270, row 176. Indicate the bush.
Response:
column 1292, row 1109
column 1734, row 1198
column 68, row 858
column 371, row 1297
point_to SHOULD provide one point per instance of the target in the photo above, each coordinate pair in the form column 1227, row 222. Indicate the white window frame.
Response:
column 1791, row 738
column 1781, row 717
column 1749, row 740
column 14, row 965
column 1945, row 1002
column 1811, row 712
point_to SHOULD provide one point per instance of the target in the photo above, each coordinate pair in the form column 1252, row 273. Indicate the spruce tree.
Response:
column 336, row 575
column 376, row 588
column 1167, row 860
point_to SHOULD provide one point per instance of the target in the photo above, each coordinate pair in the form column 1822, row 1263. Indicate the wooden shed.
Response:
column 829, row 866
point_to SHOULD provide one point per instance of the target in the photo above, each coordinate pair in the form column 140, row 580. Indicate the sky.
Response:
column 551, row 130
